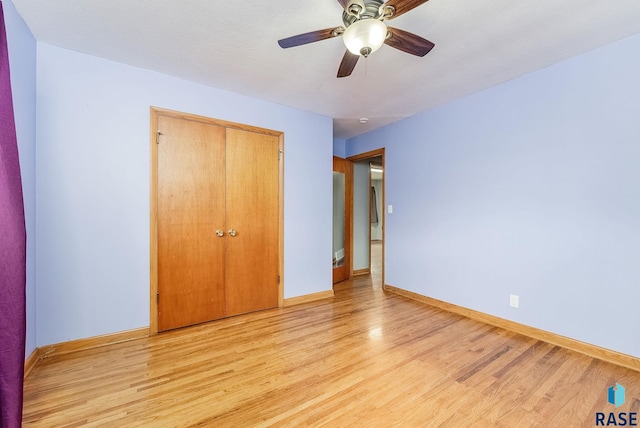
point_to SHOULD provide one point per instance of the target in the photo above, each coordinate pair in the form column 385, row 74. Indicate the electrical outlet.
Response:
column 514, row 301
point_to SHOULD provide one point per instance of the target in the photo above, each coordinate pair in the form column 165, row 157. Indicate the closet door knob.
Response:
column 220, row 232
column 232, row 232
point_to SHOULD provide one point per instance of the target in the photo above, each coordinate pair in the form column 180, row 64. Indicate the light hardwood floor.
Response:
column 363, row 358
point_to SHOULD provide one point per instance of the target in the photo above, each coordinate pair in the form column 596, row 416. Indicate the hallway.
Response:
column 376, row 263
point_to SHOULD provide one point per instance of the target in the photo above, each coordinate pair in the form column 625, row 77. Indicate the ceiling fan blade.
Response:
column 408, row 42
column 343, row 3
column 348, row 63
column 403, row 6
column 313, row 36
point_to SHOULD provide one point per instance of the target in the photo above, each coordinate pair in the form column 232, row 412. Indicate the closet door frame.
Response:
column 153, row 201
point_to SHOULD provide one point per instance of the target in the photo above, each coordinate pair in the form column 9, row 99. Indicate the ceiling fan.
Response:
column 364, row 31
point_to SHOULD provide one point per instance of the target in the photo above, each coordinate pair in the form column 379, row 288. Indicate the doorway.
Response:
column 368, row 202
column 376, row 209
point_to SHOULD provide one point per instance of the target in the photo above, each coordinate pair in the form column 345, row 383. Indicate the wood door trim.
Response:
column 153, row 201
column 367, row 155
column 212, row 121
column 281, row 220
column 153, row 224
column 369, row 226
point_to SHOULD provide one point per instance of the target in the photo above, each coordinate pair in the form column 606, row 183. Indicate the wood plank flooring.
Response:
column 363, row 358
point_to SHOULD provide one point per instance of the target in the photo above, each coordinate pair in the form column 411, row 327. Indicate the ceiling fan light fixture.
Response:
column 365, row 36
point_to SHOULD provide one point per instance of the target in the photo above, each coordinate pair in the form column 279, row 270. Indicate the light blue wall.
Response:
column 529, row 188
column 22, row 62
column 93, row 188
column 339, row 147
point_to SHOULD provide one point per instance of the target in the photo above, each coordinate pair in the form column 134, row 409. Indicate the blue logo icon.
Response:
column 616, row 395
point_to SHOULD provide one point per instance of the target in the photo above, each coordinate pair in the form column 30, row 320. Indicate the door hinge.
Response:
column 280, row 153
column 158, row 134
column 278, row 279
column 157, row 298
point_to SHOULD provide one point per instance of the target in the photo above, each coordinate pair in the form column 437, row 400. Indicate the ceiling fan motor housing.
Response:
column 371, row 10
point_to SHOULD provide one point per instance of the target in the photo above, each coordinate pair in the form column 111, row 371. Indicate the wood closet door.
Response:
column 191, row 206
column 251, row 279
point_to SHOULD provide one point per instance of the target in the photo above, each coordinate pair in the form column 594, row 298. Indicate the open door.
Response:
column 342, row 220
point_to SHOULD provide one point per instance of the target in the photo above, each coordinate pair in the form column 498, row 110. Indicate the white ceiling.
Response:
column 233, row 45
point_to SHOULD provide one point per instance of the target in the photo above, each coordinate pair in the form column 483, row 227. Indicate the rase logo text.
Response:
column 615, row 396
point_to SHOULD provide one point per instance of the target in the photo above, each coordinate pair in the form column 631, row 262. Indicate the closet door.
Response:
column 190, row 208
column 251, row 279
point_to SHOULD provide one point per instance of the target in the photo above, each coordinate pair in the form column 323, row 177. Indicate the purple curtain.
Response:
column 12, row 254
